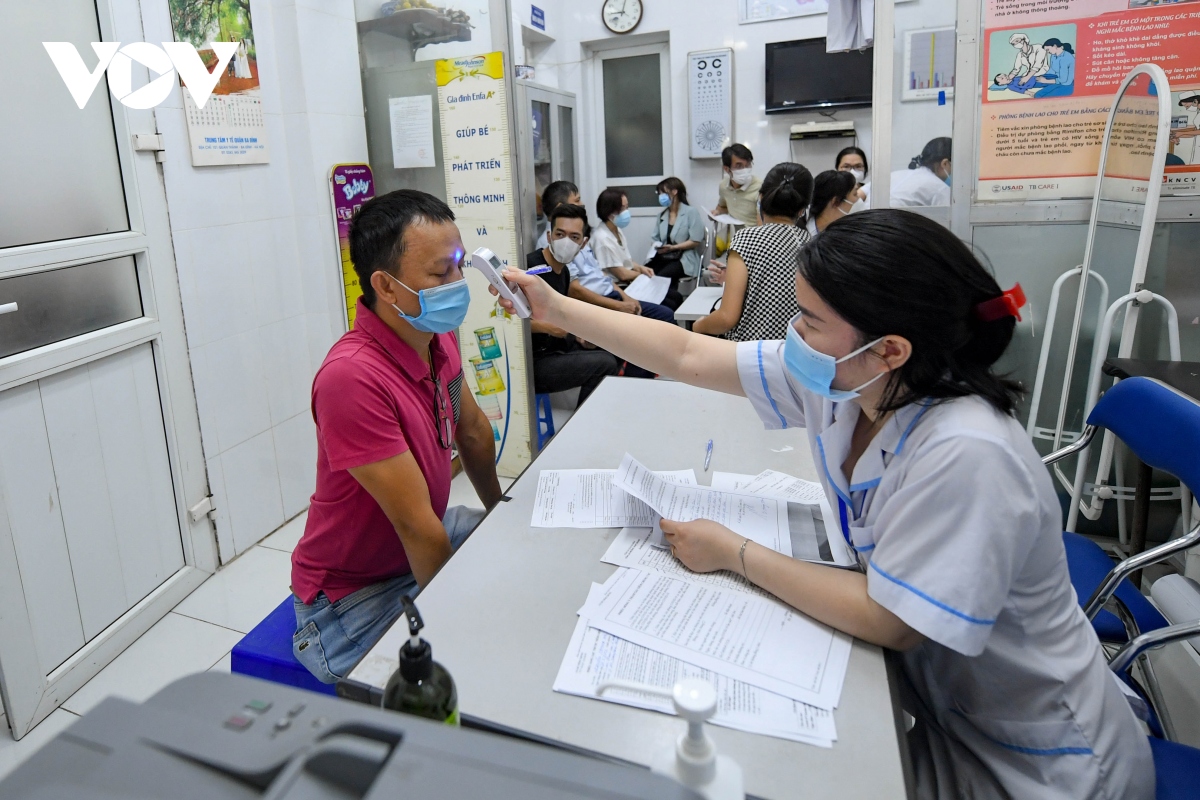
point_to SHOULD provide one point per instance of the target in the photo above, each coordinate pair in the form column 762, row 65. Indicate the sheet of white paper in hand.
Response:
column 755, row 639
column 635, row 547
column 725, row 219
column 730, row 481
column 587, row 498
column 594, row 656
column 815, row 531
column 759, row 519
column 648, row 290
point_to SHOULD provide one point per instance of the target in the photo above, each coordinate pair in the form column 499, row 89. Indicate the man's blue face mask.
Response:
column 443, row 308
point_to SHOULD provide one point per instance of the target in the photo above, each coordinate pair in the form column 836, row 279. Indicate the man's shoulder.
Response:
column 535, row 259
column 352, row 357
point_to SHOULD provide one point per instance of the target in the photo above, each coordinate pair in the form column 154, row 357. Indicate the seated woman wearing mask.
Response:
column 758, row 299
column 939, row 490
column 834, row 194
column 854, row 161
column 679, row 234
column 926, row 182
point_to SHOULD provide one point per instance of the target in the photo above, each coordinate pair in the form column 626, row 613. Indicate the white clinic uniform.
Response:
column 918, row 187
column 1187, row 149
column 957, row 526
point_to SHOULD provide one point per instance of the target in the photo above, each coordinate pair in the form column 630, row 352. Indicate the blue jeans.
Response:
column 331, row 638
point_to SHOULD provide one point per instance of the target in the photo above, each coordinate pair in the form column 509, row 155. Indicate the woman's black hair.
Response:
column 609, row 203
column 1059, row 43
column 830, row 185
column 786, row 191
column 675, row 185
column 837, row 162
column 934, row 152
column 895, row 272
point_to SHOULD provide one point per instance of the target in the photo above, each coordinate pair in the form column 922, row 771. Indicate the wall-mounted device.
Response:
column 802, row 76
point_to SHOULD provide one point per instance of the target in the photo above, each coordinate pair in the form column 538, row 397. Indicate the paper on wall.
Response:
column 647, row 289
column 752, row 638
column 412, row 131
column 587, row 498
column 594, row 656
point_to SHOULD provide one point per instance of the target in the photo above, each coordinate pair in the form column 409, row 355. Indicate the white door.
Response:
column 100, row 453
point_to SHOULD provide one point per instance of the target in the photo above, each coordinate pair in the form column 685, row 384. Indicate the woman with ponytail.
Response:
column 1060, row 80
column 939, row 492
column 926, row 182
column 759, row 297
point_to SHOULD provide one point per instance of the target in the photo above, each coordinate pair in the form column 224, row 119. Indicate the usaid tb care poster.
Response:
column 1050, row 71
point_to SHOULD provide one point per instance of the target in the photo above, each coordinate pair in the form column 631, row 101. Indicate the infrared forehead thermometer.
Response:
column 486, row 262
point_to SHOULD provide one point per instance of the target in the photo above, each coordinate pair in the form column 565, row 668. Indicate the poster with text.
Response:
column 477, row 160
column 231, row 128
column 766, row 10
column 1050, row 72
column 350, row 185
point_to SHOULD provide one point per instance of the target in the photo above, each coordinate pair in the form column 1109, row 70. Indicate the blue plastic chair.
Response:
column 545, row 420
column 1162, row 428
column 1177, row 769
column 266, row 652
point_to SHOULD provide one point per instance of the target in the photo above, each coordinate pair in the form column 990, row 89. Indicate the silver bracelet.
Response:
column 742, row 558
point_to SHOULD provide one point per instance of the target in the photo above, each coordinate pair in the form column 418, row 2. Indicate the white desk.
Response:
column 500, row 614
column 700, row 304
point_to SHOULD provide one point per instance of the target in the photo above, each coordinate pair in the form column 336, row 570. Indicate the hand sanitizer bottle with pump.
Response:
column 421, row 686
column 693, row 761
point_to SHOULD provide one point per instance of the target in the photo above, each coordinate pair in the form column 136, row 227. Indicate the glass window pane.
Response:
column 566, row 130
column 642, row 196
column 633, row 125
column 543, row 147
column 73, row 185
column 60, row 303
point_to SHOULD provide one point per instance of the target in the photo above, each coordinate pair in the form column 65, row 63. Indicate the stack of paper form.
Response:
column 776, row 671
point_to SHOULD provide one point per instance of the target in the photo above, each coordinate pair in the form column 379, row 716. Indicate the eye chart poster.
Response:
column 1051, row 70
column 479, row 189
column 231, row 128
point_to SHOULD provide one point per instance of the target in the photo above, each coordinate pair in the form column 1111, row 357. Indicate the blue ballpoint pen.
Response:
column 708, row 455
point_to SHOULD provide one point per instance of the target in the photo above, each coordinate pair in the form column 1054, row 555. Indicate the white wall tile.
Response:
column 208, row 399
column 266, row 46
column 240, row 595
column 336, row 139
column 296, row 448
column 318, row 262
column 329, row 44
column 288, row 60
column 305, row 198
column 287, row 370
column 320, row 338
column 338, row 8
column 252, row 490
column 267, row 188
column 262, row 273
column 235, row 367
column 289, row 282
column 216, row 487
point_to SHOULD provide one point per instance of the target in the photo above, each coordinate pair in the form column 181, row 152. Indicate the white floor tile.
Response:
column 12, row 752
column 174, row 647
column 287, row 537
column 224, row 665
column 242, row 593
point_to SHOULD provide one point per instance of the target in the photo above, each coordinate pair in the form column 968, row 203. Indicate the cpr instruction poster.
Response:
column 479, row 188
column 1051, row 70
column 231, row 128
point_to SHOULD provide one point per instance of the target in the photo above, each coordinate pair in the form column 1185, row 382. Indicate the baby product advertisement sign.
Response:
column 1050, row 72
column 350, row 185
column 473, row 107
column 231, row 128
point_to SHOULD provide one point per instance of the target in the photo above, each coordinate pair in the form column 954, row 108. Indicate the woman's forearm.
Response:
column 656, row 346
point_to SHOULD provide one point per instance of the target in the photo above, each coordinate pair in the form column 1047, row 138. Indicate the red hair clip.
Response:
column 1008, row 304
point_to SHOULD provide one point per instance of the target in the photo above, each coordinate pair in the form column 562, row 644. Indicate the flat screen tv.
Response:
column 801, row 75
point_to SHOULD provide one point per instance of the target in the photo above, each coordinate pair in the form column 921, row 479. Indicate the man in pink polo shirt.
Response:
column 389, row 403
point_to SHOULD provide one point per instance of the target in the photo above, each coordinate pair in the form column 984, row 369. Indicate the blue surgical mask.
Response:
column 622, row 220
column 443, row 308
column 815, row 371
column 946, row 180
column 664, row 200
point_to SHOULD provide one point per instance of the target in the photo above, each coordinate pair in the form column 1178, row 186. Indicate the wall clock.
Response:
column 621, row 16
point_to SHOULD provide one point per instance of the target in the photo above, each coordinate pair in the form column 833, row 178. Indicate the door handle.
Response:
column 7, row 308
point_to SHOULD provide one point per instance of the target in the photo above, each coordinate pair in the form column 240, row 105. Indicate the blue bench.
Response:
column 266, row 652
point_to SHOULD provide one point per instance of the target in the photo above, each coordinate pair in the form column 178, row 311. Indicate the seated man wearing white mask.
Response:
column 562, row 361
column 738, row 188
column 389, row 403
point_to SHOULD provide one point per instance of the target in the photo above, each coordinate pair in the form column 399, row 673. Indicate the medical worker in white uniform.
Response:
column 954, row 518
column 926, row 182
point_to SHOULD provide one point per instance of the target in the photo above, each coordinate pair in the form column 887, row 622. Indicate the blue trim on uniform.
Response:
column 932, row 600
column 871, row 484
column 845, row 521
column 866, row 549
column 1032, row 751
column 829, row 476
column 908, row 430
column 762, row 374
